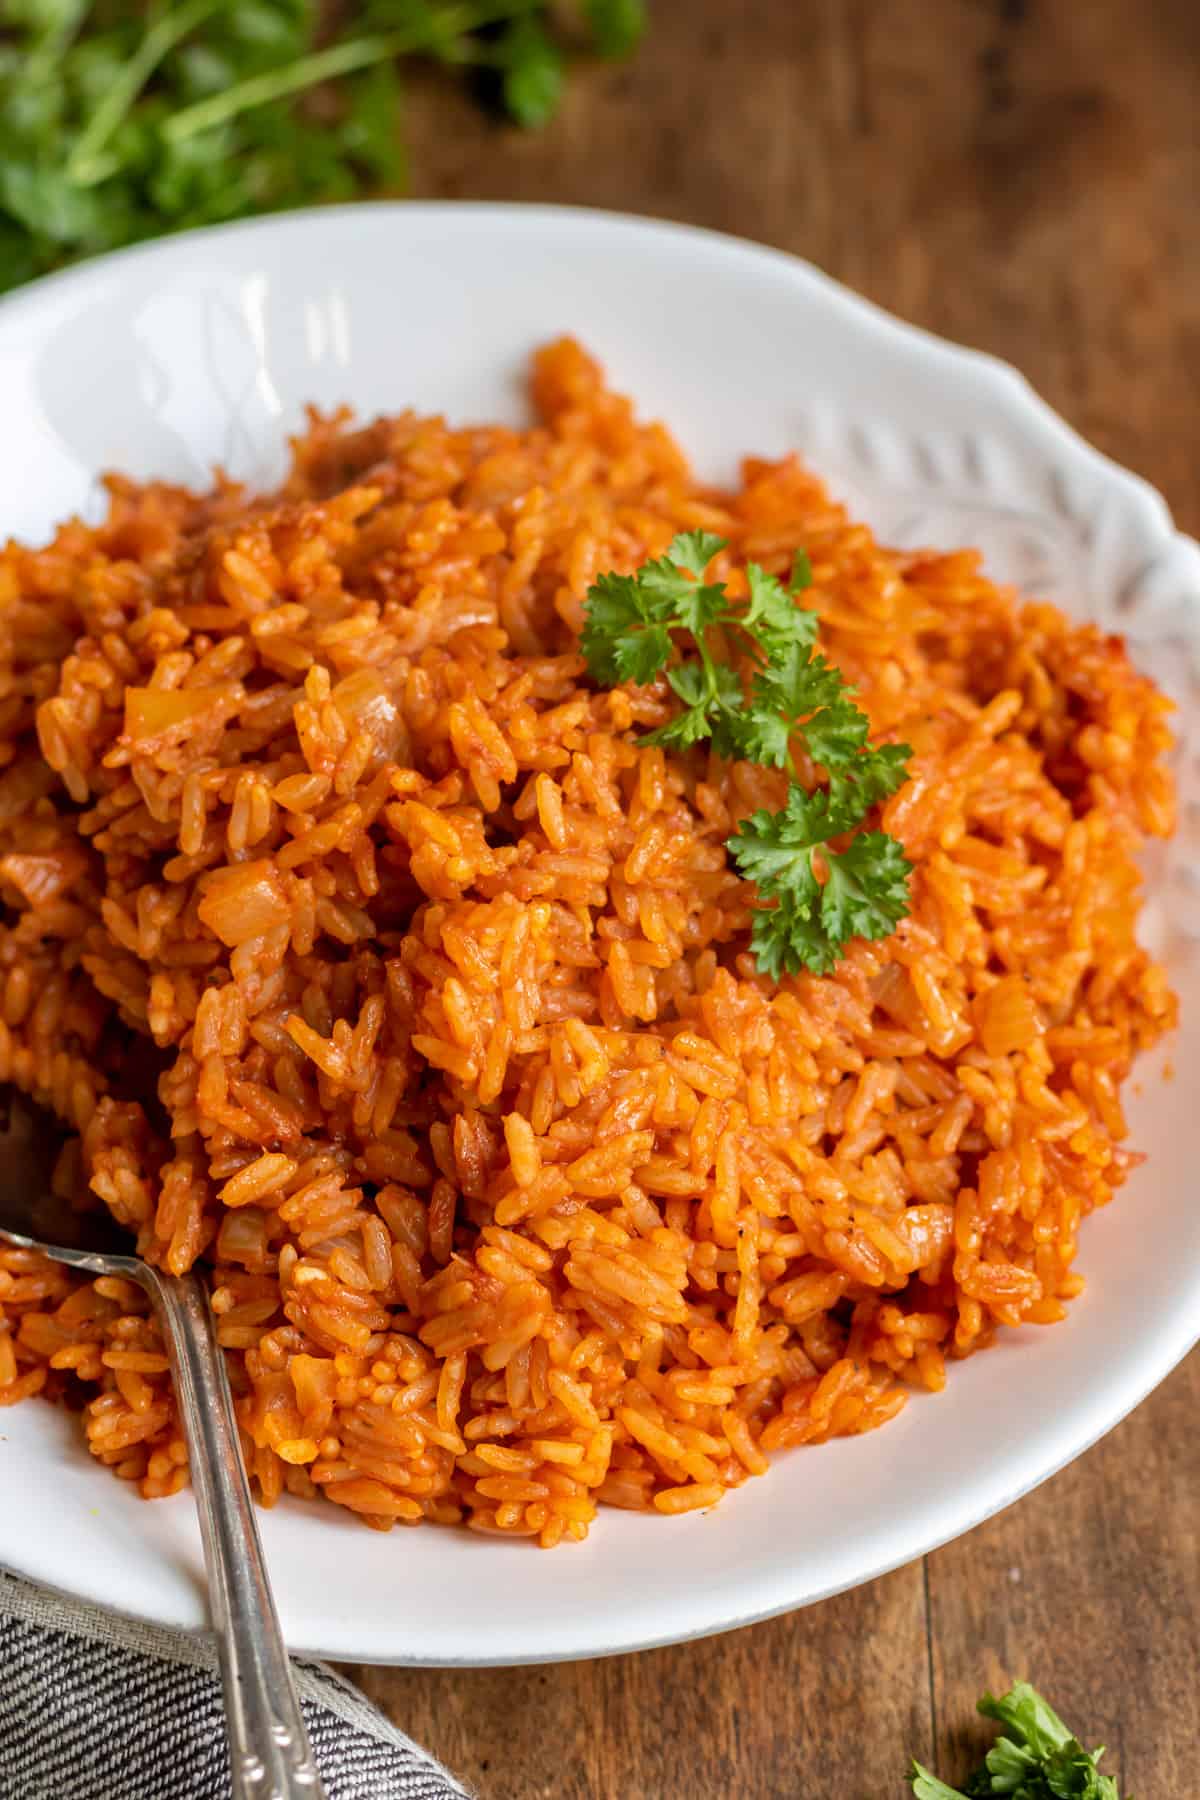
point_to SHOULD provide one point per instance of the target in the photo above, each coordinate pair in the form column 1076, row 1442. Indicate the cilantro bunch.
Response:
column 121, row 119
column 814, row 897
column 1036, row 1758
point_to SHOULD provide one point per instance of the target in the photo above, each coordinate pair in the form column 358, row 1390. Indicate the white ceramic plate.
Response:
column 204, row 348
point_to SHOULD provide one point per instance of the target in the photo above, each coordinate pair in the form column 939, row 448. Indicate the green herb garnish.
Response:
column 533, row 69
column 1036, row 1758
column 120, row 120
column 775, row 692
column 617, row 25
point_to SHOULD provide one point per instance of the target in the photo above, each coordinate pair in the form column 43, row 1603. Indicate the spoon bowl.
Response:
column 269, row 1754
column 35, row 1214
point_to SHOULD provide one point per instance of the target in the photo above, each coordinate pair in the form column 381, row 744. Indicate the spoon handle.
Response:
column 269, row 1753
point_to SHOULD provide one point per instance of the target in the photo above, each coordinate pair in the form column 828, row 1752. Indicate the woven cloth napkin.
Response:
column 98, row 1707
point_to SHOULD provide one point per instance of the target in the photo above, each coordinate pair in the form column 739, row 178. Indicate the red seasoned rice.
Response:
column 519, row 1191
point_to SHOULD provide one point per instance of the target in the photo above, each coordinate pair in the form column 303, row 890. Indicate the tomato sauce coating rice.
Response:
column 519, row 1190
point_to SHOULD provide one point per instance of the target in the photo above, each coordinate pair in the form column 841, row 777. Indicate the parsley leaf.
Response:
column 789, row 936
column 627, row 629
column 689, row 605
column 617, row 25
column 773, row 615
column 618, row 606
column 866, row 889
column 709, row 696
column 813, row 898
column 533, row 72
column 1032, row 1721
column 864, row 893
column 836, row 734
column 694, row 550
column 796, row 685
column 1036, row 1758
column 640, row 657
column 760, row 736
column 875, row 775
column 801, row 576
column 927, row 1787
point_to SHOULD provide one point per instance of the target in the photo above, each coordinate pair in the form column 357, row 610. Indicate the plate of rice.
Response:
column 393, row 963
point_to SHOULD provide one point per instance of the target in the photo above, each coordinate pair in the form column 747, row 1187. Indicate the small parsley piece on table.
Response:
column 814, row 897
column 1035, row 1758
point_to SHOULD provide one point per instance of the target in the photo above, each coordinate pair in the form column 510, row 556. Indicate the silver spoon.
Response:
column 269, row 1754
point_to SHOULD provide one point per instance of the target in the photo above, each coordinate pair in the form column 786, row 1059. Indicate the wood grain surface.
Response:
column 1021, row 175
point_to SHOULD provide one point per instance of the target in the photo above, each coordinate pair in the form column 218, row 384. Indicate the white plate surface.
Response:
column 203, row 349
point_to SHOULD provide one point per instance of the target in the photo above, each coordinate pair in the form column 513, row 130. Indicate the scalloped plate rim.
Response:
column 1004, row 375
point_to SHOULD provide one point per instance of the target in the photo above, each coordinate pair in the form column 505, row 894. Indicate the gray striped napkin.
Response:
column 94, row 1706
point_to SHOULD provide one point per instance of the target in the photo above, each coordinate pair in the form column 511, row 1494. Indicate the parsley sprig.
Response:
column 1035, row 1758
column 772, row 692
column 121, row 119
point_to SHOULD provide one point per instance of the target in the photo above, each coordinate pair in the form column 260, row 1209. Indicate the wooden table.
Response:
column 1021, row 175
